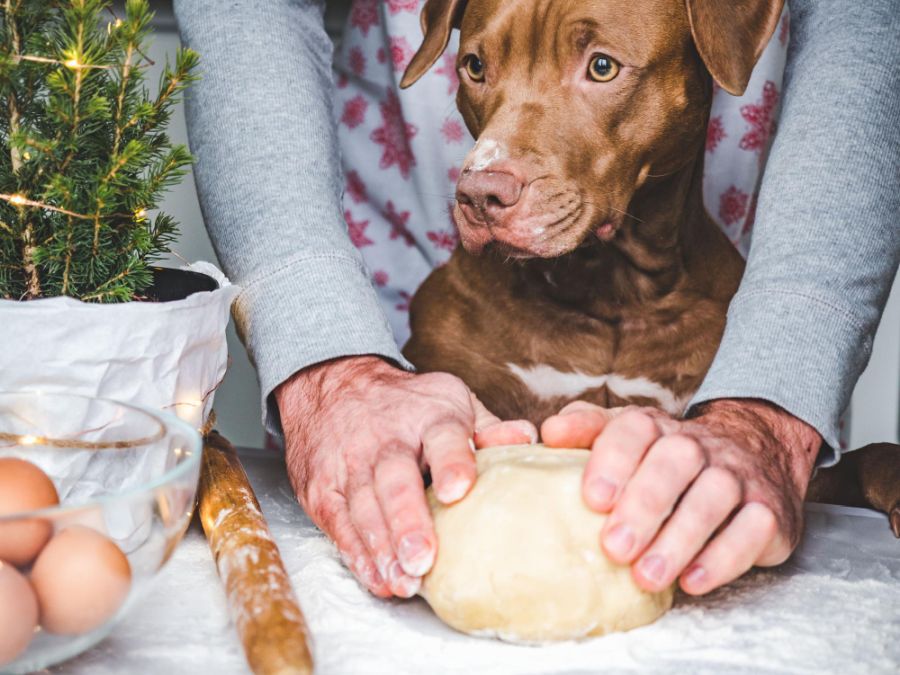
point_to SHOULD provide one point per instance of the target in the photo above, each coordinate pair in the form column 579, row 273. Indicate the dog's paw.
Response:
column 879, row 479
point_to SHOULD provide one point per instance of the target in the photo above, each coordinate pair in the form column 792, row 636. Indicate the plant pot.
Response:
column 166, row 352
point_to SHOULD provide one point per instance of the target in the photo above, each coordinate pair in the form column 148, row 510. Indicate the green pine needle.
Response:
column 82, row 134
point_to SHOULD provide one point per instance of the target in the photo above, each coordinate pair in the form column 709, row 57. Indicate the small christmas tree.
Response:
column 85, row 154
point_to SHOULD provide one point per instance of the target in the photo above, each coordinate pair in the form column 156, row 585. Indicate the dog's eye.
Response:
column 474, row 67
column 603, row 68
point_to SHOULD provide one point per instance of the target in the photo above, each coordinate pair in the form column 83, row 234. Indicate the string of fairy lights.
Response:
column 22, row 201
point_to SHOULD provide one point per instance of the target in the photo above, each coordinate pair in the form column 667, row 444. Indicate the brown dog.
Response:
column 589, row 268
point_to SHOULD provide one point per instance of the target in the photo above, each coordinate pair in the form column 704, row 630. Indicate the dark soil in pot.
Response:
column 171, row 284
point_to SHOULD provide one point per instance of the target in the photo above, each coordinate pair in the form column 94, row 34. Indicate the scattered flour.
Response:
column 834, row 608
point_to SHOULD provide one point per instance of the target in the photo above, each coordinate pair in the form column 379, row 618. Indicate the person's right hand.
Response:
column 359, row 433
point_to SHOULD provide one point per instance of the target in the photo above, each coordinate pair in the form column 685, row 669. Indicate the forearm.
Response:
column 269, row 180
column 825, row 245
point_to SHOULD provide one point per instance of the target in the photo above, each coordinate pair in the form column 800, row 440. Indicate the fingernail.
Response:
column 601, row 492
column 528, row 430
column 416, row 556
column 408, row 587
column 695, row 576
column 402, row 585
column 652, row 568
column 619, row 541
column 452, row 490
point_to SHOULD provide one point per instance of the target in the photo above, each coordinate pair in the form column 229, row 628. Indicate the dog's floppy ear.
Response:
column 730, row 36
column 439, row 18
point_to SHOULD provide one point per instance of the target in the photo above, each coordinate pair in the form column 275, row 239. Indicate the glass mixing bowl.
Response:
column 126, row 478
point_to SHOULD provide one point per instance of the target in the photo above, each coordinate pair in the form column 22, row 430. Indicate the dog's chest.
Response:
column 548, row 385
column 658, row 363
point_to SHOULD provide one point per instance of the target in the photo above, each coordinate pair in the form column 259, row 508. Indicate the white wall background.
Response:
column 875, row 406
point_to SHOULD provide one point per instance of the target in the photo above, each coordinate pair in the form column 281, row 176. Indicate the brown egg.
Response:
column 18, row 613
column 81, row 578
column 23, row 487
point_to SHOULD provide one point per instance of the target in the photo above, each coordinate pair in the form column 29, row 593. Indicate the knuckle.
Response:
column 324, row 515
column 765, row 522
column 395, row 492
column 696, row 527
column 447, row 383
column 723, row 484
column 637, row 423
column 684, row 450
column 357, row 475
column 651, row 501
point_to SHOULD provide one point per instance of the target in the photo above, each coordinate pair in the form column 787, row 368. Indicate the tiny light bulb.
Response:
column 28, row 439
column 140, row 214
column 18, row 200
column 72, row 63
column 26, row 155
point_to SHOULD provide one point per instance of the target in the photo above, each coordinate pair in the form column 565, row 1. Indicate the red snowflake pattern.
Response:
column 453, row 174
column 443, row 239
column 357, row 61
column 356, row 188
column 364, row 15
column 761, row 118
column 733, row 205
column 401, row 53
column 785, row 31
column 405, row 300
column 715, row 132
column 380, row 278
column 343, row 81
column 357, row 230
column 397, row 6
column 395, row 135
column 355, row 112
column 452, row 131
column 448, row 70
column 751, row 215
column 398, row 222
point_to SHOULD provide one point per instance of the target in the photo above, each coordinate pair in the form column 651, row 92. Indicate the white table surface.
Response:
column 834, row 607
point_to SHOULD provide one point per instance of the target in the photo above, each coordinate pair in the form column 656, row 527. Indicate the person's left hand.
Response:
column 703, row 499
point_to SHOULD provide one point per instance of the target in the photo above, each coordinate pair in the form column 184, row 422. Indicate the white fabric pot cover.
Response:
column 166, row 355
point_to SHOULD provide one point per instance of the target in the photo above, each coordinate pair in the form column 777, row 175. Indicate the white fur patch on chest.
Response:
column 547, row 382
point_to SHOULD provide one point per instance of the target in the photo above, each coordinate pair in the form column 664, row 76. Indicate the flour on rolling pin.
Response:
column 260, row 597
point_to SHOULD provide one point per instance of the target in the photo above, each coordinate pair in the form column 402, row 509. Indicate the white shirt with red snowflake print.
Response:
column 402, row 149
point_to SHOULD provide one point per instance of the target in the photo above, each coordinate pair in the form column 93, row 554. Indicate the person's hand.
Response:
column 359, row 433
column 701, row 499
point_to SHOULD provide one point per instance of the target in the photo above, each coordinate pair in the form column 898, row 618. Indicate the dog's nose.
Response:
column 489, row 192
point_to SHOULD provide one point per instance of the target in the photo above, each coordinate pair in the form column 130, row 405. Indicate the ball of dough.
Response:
column 519, row 557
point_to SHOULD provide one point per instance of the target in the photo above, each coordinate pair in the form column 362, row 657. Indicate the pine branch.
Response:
column 87, row 153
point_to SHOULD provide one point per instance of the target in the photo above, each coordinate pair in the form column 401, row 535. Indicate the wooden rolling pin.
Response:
column 260, row 597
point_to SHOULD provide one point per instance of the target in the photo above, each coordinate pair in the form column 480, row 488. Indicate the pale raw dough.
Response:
column 520, row 559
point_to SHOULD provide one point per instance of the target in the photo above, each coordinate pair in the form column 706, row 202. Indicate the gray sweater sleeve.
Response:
column 826, row 243
column 269, row 179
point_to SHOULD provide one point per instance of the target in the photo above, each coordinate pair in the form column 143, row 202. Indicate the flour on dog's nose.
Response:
column 486, row 152
column 547, row 382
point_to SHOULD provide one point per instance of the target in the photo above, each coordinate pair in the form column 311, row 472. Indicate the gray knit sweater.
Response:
column 826, row 242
